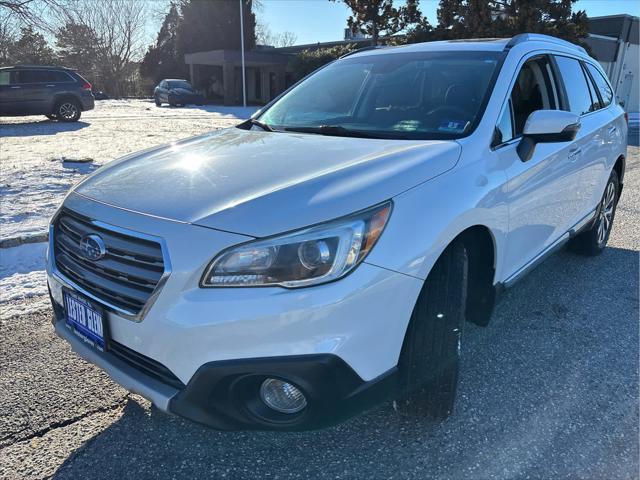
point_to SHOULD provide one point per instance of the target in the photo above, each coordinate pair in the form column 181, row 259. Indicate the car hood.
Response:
column 262, row 183
column 181, row 91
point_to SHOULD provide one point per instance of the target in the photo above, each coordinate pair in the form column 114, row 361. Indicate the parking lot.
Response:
column 548, row 390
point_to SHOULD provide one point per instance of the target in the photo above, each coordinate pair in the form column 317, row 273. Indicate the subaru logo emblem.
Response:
column 92, row 247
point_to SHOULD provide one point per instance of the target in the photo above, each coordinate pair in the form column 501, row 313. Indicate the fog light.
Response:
column 282, row 396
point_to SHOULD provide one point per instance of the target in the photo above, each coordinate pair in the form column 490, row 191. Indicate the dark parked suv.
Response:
column 57, row 92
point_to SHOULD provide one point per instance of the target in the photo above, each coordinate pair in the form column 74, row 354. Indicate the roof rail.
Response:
column 539, row 37
column 363, row 49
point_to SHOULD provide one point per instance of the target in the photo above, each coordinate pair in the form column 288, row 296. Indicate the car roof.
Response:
column 174, row 80
column 37, row 67
column 476, row 44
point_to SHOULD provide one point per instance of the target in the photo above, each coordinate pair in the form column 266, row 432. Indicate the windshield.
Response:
column 424, row 95
column 180, row 84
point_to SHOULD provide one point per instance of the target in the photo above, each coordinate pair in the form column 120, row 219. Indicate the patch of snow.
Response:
column 41, row 159
column 22, row 276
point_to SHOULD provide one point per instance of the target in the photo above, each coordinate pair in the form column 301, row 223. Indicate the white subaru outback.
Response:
column 325, row 254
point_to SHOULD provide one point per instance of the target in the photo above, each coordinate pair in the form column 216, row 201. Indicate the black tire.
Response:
column 51, row 116
column 592, row 242
column 158, row 102
column 68, row 110
column 430, row 357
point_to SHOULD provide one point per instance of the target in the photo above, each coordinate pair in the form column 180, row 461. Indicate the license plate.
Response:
column 85, row 319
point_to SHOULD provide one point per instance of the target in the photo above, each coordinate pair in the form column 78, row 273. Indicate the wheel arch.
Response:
column 620, row 167
column 60, row 97
column 482, row 252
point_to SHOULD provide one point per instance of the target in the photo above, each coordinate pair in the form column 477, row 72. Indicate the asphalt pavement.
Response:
column 548, row 390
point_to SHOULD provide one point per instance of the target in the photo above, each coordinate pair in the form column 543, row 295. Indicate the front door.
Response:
column 541, row 191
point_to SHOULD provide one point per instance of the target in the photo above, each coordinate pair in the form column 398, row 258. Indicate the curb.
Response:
column 17, row 241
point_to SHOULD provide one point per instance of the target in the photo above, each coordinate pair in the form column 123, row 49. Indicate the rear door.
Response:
column 34, row 93
column 541, row 197
column 597, row 170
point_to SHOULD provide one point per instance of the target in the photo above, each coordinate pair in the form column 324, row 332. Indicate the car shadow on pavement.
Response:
column 548, row 390
column 41, row 127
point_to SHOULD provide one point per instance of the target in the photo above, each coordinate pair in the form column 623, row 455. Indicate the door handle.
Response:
column 15, row 88
column 49, row 85
column 574, row 154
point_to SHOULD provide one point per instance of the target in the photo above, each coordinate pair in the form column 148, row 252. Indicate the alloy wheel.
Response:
column 606, row 212
column 68, row 111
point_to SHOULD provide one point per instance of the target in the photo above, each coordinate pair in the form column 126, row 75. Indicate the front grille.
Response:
column 125, row 277
column 145, row 364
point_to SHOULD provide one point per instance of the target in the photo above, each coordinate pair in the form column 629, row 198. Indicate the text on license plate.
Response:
column 85, row 320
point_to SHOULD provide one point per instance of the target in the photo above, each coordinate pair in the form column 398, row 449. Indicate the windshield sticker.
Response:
column 453, row 126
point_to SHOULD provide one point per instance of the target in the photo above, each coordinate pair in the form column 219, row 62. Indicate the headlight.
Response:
column 302, row 258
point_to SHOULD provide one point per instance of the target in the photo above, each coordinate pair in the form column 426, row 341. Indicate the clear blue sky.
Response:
column 323, row 21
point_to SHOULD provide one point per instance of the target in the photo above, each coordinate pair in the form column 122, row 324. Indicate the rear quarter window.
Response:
column 58, row 77
column 606, row 93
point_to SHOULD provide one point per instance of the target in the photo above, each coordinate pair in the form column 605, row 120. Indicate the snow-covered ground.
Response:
column 40, row 160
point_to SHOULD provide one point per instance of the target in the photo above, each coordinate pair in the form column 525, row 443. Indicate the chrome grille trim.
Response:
column 127, row 281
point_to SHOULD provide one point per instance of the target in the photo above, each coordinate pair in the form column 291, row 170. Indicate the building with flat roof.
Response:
column 614, row 43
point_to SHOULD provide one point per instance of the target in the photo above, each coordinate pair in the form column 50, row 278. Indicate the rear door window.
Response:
column 602, row 84
column 32, row 76
column 576, row 89
column 5, row 78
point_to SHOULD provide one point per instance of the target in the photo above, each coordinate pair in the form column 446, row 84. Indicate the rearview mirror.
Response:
column 547, row 126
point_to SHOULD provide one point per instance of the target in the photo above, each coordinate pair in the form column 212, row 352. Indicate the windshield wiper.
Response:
column 340, row 131
column 258, row 123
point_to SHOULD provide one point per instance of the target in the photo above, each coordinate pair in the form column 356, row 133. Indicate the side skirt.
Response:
column 585, row 223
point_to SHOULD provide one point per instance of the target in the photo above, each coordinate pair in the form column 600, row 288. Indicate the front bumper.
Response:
column 223, row 395
column 185, row 99
column 338, row 342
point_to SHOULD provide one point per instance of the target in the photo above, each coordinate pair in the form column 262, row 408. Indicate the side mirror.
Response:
column 547, row 126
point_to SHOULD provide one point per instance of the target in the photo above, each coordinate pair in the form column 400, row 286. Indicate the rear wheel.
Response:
column 430, row 356
column 67, row 110
column 592, row 242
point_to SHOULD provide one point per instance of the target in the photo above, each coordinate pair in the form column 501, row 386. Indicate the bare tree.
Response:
column 264, row 36
column 286, row 39
column 8, row 36
column 36, row 13
column 118, row 26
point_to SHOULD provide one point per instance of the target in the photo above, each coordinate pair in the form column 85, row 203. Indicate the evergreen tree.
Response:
column 506, row 18
column 163, row 60
column 76, row 46
column 378, row 18
column 31, row 48
column 215, row 25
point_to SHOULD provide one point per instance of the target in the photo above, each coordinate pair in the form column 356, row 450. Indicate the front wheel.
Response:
column 430, row 357
column 51, row 116
column 591, row 242
column 158, row 102
column 68, row 111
